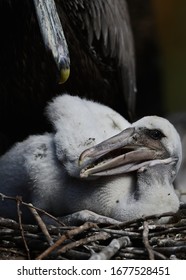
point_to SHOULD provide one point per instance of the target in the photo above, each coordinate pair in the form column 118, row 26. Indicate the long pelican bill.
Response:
column 126, row 152
column 53, row 36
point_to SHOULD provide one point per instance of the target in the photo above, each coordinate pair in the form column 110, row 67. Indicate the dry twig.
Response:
column 109, row 251
column 21, row 227
column 43, row 212
column 68, row 235
column 41, row 224
column 84, row 241
column 146, row 240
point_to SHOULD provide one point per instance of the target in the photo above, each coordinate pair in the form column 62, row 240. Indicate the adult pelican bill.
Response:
column 44, row 41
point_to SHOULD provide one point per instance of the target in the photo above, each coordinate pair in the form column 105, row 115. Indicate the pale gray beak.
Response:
column 128, row 151
column 53, row 35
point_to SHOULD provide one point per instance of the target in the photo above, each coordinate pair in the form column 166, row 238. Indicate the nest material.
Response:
column 139, row 239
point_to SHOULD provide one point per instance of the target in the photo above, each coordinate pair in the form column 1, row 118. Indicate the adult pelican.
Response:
column 42, row 39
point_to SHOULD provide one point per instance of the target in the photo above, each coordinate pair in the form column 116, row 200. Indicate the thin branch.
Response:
column 21, row 227
column 171, row 250
column 12, row 251
column 122, row 232
column 146, row 240
column 109, row 251
column 167, row 231
column 68, row 235
column 142, row 219
column 84, row 241
column 4, row 197
column 41, row 225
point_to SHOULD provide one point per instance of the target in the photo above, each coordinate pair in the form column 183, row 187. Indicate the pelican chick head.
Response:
column 149, row 141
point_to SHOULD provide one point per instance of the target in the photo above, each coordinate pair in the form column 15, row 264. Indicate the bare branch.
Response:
column 68, row 235
column 146, row 241
column 109, row 251
column 21, row 227
column 41, row 225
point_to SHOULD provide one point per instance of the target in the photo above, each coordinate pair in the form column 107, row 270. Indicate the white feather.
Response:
column 44, row 169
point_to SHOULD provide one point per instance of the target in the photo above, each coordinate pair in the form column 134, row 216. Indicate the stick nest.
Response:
column 138, row 239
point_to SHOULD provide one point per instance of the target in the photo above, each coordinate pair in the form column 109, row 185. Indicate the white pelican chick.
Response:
column 95, row 160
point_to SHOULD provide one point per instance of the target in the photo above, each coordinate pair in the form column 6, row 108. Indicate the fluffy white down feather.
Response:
column 44, row 169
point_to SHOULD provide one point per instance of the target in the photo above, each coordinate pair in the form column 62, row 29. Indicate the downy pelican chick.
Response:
column 132, row 167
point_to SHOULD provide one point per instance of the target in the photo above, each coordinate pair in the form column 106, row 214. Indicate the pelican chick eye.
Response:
column 155, row 134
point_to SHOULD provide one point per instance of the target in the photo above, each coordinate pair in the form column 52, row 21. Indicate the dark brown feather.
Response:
column 102, row 62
